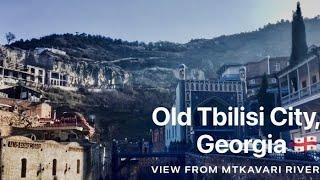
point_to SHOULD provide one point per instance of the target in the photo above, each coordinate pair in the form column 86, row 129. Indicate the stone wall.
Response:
column 39, row 157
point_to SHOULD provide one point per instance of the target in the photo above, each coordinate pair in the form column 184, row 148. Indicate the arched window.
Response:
column 23, row 167
column 78, row 166
column 54, row 167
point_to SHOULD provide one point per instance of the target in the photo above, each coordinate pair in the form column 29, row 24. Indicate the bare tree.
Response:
column 10, row 37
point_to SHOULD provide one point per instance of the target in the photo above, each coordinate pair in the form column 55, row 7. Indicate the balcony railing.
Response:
column 301, row 94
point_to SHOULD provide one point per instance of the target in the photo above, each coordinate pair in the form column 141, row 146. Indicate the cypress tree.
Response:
column 266, row 100
column 299, row 44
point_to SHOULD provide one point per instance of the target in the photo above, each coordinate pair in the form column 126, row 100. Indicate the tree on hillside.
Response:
column 10, row 37
column 299, row 43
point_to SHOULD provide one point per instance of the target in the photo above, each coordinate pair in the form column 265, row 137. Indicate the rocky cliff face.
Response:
column 11, row 57
column 96, row 74
column 87, row 72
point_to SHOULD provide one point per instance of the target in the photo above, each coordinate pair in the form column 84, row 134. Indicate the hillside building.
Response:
column 22, row 93
column 38, row 74
column 24, row 158
column 36, row 145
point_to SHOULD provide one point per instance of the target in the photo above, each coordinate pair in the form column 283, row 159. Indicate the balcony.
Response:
column 300, row 84
column 302, row 94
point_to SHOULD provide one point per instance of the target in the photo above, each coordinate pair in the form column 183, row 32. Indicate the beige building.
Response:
column 36, row 145
column 40, row 110
column 23, row 158
column 38, row 74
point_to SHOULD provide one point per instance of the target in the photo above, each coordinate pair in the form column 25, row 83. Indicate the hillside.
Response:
column 147, row 68
column 206, row 54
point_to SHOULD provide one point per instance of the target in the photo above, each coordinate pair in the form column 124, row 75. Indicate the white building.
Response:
column 53, row 50
column 177, row 133
column 38, row 73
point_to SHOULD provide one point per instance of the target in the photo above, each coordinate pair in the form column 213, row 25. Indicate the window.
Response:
column 172, row 132
column 175, row 130
column 252, row 81
column 304, row 84
column 23, row 167
column 314, row 79
column 308, row 131
column 54, row 167
column 278, row 67
column 188, row 96
column 78, row 166
column 15, row 74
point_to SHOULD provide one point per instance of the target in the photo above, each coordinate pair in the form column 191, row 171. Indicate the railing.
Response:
column 217, row 86
column 301, row 94
column 315, row 88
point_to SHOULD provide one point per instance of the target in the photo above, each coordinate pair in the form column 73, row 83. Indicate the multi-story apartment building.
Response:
column 57, row 78
column 38, row 74
column 35, row 76
column 267, row 66
column 253, row 73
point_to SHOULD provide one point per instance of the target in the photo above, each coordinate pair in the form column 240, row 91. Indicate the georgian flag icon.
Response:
column 303, row 144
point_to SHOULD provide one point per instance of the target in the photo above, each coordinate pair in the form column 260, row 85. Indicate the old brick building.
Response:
column 35, row 144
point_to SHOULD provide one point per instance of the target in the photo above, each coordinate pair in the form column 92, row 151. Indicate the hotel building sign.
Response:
column 25, row 145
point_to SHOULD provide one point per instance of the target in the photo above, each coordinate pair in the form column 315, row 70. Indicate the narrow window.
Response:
column 54, row 167
column 304, row 84
column 78, row 166
column 278, row 67
column 23, row 167
column 314, row 79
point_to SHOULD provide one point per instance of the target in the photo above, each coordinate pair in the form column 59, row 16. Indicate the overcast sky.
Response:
column 145, row 20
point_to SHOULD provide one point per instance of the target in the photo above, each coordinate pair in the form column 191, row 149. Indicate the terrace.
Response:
column 300, row 84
